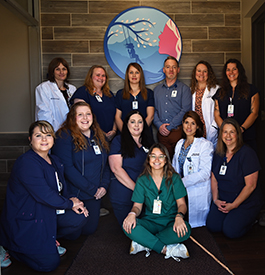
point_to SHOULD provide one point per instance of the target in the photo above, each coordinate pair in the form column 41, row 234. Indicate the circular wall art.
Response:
column 144, row 35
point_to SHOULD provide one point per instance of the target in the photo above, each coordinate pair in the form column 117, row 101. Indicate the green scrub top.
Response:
column 146, row 192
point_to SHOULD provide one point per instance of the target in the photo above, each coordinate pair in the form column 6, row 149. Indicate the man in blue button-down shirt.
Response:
column 172, row 101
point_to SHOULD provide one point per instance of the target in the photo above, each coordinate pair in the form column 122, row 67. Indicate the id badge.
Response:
column 222, row 170
column 190, row 168
column 230, row 110
column 135, row 105
column 157, row 206
column 174, row 93
column 59, row 212
column 96, row 149
column 98, row 98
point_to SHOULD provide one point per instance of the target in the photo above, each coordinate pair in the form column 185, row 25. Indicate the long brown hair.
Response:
column 211, row 81
column 242, row 82
column 168, row 168
column 221, row 147
column 90, row 85
column 78, row 138
column 127, row 86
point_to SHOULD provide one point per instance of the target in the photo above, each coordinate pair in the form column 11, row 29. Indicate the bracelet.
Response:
column 182, row 215
column 114, row 130
column 244, row 129
column 215, row 200
column 132, row 213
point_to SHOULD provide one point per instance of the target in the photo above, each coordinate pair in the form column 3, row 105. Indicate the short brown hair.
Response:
column 171, row 58
column 45, row 128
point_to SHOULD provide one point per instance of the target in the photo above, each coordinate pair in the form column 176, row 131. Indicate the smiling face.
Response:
column 229, row 136
column 134, row 75
column 135, row 125
column 60, row 73
column 98, row 78
column 232, row 72
column 41, row 143
column 157, row 159
column 84, row 119
column 201, row 73
column 190, row 126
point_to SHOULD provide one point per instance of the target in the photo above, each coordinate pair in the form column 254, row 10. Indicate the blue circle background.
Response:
column 121, row 48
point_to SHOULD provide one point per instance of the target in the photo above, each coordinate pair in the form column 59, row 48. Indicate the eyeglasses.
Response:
column 160, row 157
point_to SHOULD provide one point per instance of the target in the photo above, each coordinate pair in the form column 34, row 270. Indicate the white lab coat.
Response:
column 198, row 183
column 208, row 114
column 50, row 103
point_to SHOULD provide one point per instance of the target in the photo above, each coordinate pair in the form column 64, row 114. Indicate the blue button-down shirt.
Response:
column 171, row 103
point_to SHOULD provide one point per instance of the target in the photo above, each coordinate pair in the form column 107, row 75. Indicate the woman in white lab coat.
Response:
column 203, row 88
column 53, row 96
column 193, row 161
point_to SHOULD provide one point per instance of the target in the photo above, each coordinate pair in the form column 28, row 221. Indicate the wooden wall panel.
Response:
column 210, row 29
column 64, row 6
column 196, row 20
column 111, row 6
column 216, row 7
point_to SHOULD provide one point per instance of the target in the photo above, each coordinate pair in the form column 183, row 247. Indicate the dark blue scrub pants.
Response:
column 234, row 224
column 93, row 207
column 67, row 223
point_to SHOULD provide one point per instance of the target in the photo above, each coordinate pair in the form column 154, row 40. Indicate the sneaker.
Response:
column 136, row 247
column 103, row 212
column 4, row 257
column 177, row 250
column 61, row 250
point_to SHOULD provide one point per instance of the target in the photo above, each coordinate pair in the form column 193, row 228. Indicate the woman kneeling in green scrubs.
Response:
column 162, row 228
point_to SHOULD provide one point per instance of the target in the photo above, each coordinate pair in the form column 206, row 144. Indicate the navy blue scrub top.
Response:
column 119, row 193
column 242, row 108
column 104, row 111
column 85, row 171
column 243, row 163
column 28, row 220
column 133, row 166
column 125, row 105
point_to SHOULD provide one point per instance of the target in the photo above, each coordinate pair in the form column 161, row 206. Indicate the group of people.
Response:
column 87, row 143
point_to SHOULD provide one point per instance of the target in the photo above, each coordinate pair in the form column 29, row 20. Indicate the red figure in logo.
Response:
column 170, row 42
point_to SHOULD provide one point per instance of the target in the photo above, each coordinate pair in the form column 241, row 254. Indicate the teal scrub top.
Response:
column 146, row 192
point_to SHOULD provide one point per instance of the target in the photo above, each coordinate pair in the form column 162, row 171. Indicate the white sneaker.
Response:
column 177, row 250
column 4, row 258
column 61, row 250
column 136, row 247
